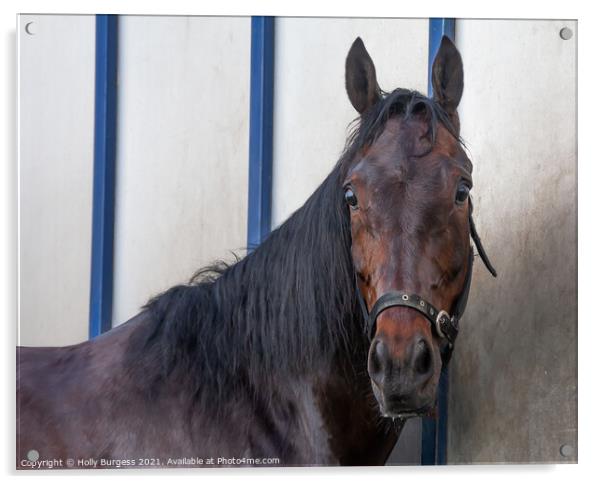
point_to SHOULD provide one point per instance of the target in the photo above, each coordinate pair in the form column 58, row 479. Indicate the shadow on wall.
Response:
column 514, row 373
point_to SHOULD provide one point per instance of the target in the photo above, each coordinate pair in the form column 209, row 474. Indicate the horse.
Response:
column 313, row 349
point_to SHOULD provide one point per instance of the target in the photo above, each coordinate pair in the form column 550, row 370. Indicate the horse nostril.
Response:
column 376, row 361
column 423, row 359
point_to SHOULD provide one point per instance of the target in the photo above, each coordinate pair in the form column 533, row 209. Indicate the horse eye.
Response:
column 462, row 193
column 350, row 198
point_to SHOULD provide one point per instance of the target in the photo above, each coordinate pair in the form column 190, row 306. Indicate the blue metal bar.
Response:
column 434, row 430
column 443, row 392
column 103, row 202
column 428, row 455
column 438, row 27
column 259, row 216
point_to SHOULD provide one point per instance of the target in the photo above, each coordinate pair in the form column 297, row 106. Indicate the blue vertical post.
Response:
column 438, row 27
column 443, row 392
column 434, row 430
column 103, row 201
column 261, row 130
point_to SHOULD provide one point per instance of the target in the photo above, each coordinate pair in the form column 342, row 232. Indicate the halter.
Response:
column 444, row 324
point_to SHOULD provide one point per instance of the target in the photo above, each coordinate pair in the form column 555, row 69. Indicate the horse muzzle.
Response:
column 405, row 377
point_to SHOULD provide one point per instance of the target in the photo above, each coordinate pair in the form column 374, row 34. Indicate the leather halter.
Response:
column 444, row 324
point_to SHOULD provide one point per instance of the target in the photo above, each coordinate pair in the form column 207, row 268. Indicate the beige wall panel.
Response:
column 56, row 128
column 182, row 151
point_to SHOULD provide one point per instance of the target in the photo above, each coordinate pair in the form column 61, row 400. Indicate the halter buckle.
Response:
column 441, row 317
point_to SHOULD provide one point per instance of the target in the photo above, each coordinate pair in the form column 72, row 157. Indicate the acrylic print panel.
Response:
column 266, row 359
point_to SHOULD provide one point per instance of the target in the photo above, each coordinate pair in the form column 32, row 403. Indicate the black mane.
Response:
column 288, row 306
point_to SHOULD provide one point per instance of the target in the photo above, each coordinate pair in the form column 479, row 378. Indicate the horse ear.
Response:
column 360, row 78
column 448, row 76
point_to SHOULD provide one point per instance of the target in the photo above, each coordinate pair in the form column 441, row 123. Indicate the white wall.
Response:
column 311, row 109
column 513, row 394
column 56, row 128
column 182, row 151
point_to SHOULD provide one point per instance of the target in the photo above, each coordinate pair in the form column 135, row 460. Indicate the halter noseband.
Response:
column 444, row 324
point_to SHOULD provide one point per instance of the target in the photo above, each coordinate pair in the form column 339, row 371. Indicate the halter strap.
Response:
column 444, row 325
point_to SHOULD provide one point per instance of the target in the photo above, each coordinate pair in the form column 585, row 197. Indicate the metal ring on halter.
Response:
column 442, row 314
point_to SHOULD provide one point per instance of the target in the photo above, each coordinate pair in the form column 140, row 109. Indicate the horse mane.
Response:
column 285, row 309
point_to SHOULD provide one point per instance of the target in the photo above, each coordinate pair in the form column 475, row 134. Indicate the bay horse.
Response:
column 312, row 349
